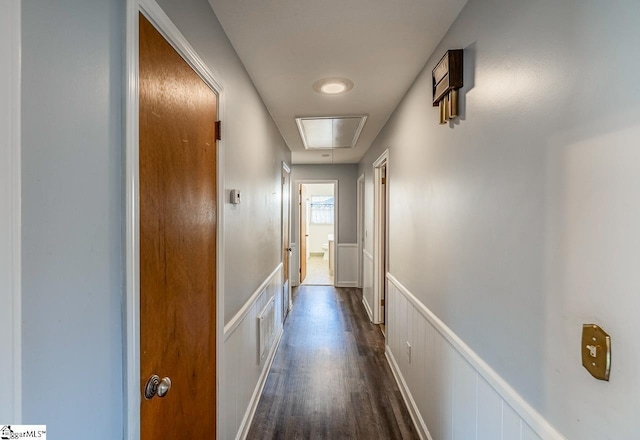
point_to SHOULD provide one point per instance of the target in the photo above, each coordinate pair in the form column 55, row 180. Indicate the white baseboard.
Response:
column 347, row 284
column 416, row 417
column 367, row 308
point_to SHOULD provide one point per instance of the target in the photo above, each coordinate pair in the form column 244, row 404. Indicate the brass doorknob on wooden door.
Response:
column 156, row 386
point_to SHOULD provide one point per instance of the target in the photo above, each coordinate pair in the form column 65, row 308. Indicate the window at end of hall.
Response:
column 322, row 210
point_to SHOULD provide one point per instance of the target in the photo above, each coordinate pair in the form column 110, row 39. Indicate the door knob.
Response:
column 290, row 250
column 157, row 386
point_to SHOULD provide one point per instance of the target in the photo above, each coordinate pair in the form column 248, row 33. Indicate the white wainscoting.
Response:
column 347, row 265
column 367, row 282
column 450, row 391
column 244, row 375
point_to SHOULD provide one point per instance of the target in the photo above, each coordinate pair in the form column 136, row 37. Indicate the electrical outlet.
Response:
column 408, row 352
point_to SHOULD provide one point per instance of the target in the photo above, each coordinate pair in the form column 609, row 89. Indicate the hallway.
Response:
column 330, row 378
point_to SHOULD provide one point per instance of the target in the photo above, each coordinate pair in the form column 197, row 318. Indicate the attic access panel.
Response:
column 328, row 132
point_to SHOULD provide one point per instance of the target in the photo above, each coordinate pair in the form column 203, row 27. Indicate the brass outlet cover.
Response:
column 596, row 351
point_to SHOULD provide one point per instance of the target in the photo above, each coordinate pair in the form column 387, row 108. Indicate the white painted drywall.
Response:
column 72, row 216
column 254, row 151
column 518, row 222
column 10, row 318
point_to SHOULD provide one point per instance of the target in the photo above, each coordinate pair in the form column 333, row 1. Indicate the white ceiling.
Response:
column 287, row 45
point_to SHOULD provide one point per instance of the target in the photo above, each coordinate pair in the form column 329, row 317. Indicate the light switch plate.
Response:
column 596, row 351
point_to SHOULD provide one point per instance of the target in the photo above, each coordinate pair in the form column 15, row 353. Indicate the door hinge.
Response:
column 382, row 302
column 384, row 180
column 300, row 270
column 218, row 133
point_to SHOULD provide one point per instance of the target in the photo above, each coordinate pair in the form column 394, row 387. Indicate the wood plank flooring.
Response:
column 330, row 378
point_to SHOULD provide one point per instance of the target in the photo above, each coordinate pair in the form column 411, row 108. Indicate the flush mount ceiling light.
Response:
column 329, row 132
column 333, row 86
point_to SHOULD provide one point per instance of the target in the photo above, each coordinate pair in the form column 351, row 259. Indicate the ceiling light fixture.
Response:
column 333, row 86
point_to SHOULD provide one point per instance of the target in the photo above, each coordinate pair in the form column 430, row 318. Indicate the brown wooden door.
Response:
column 286, row 240
column 177, row 242
column 303, row 236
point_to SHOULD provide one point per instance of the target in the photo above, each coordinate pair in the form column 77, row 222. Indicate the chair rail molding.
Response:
column 466, row 398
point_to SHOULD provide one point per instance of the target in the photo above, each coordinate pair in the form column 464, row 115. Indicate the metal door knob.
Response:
column 164, row 386
column 157, row 386
column 290, row 250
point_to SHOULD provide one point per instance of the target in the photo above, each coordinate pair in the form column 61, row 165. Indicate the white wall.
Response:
column 72, row 216
column 10, row 322
column 517, row 223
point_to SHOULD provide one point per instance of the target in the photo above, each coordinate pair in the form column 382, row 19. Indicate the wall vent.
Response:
column 266, row 328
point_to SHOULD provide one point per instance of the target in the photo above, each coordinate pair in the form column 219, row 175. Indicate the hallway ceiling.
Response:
column 288, row 45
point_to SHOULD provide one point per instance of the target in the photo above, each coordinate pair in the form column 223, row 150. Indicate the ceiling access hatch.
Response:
column 328, row 132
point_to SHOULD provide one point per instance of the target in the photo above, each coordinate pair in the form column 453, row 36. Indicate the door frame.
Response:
column 154, row 13
column 287, row 169
column 336, row 217
column 380, row 233
column 11, row 213
column 360, row 228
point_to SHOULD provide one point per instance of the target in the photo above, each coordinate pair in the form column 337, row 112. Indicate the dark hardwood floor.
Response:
column 330, row 378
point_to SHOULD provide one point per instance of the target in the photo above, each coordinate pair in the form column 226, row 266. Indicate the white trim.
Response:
column 243, row 430
column 538, row 423
column 416, row 417
column 336, row 218
column 157, row 16
column 286, row 283
column 294, row 275
column 10, row 210
column 378, row 262
column 360, row 227
column 244, row 310
column 367, row 308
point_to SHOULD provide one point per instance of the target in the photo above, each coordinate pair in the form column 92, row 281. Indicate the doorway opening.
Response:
column 380, row 238
column 318, row 218
column 360, row 230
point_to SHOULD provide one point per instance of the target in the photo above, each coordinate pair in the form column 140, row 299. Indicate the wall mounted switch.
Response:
column 596, row 351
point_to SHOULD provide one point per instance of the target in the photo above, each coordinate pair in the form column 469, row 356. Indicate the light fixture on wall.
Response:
column 447, row 80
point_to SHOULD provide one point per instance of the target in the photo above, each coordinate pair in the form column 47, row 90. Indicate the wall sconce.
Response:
column 447, row 79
